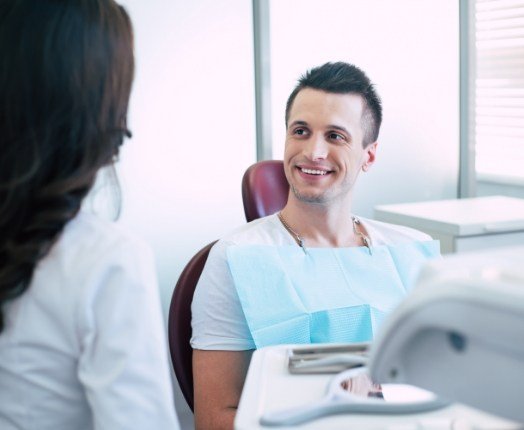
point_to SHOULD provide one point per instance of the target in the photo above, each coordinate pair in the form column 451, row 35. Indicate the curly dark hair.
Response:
column 66, row 69
column 344, row 78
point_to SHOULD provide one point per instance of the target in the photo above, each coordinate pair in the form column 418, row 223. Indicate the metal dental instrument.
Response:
column 346, row 360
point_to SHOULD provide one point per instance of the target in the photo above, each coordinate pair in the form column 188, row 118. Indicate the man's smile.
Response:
column 314, row 171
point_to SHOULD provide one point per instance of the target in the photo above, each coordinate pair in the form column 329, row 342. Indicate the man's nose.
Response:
column 316, row 148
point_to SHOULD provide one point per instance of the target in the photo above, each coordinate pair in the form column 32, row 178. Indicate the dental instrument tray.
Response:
column 327, row 358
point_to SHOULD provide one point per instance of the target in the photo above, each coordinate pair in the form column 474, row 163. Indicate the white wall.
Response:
column 193, row 123
column 494, row 189
column 192, row 117
column 410, row 50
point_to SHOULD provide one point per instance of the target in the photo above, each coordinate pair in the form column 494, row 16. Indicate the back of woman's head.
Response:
column 66, row 68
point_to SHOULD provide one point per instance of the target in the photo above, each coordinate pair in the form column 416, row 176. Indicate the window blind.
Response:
column 499, row 90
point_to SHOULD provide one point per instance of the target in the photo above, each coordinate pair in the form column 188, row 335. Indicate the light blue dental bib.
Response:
column 324, row 295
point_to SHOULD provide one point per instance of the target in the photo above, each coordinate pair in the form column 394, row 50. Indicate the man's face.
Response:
column 324, row 152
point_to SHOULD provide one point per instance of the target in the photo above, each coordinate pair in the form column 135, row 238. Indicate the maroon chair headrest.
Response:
column 264, row 189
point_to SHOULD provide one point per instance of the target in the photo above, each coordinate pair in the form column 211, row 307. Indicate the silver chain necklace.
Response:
column 300, row 242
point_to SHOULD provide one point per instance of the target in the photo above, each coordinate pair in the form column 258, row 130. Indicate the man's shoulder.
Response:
column 383, row 233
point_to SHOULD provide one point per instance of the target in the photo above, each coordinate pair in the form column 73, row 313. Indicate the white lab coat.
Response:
column 85, row 347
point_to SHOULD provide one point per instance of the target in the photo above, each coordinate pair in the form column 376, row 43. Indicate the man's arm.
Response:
column 218, row 378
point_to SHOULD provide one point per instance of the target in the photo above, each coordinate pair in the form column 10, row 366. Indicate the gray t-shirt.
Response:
column 217, row 318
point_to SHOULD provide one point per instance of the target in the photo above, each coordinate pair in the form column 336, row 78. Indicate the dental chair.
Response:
column 179, row 322
column 264, row 192
column 460, row 333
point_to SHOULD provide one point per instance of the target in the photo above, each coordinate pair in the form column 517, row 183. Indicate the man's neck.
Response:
column 321, row 225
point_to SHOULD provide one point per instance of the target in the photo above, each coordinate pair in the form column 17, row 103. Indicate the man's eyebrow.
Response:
column 330, row 126
column 298, row 122
column 339, row 127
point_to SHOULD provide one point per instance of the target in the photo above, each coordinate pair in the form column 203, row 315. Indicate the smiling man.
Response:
column 313, row 272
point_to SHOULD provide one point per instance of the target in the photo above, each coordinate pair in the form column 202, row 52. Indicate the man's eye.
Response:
column 300, row 131
column 336, row 136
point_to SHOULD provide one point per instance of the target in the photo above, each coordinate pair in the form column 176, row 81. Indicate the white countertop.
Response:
column 270, row 387
column 459, row 217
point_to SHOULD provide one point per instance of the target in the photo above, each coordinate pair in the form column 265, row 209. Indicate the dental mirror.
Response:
column 353, row 391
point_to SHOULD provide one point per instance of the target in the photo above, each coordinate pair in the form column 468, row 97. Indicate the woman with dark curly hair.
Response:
column 82, row 343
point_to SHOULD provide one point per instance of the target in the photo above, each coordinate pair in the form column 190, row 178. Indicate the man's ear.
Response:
column 370, row 152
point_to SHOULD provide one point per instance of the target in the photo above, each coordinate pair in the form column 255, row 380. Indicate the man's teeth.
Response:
column 313, row 172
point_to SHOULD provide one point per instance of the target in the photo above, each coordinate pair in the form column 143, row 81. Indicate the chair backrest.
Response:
column 264, row 189
column 264, row 192
column 179, row 322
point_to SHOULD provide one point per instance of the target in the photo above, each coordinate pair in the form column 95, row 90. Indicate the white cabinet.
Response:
column 462, row 225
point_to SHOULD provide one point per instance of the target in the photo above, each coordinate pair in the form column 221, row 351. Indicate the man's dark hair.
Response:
column 343, row 78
